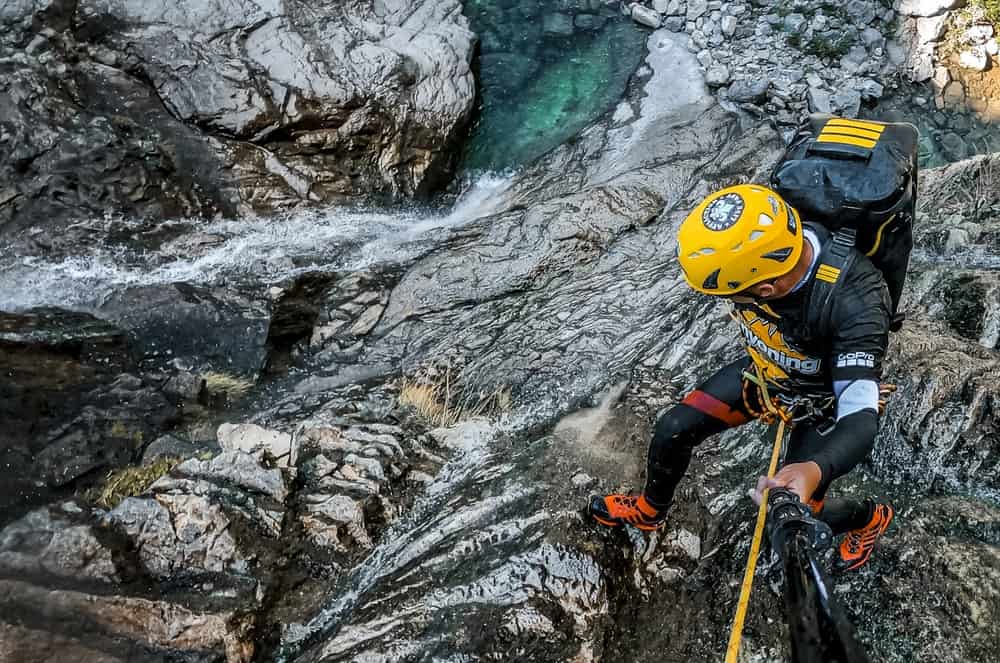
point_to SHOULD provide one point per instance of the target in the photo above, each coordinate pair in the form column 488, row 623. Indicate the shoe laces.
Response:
column 855, row 537
column 629, row 501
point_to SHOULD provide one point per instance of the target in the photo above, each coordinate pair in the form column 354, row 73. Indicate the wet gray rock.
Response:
column 253, row 439
column 188, row 522
column 159, row 629
column 170, row 446
column 106, row 412
column 749, row 91
column 48, row 541
column 194, row 328
column 203, row 108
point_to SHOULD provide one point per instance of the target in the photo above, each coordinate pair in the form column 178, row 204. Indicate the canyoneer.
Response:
column 813, row 268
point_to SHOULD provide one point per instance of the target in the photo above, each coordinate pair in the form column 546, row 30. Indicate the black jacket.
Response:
column 803, row 360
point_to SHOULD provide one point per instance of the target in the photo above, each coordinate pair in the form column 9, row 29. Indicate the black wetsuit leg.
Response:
column 716, row 405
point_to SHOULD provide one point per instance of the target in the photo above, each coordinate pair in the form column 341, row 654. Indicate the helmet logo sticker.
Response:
column 723, row 212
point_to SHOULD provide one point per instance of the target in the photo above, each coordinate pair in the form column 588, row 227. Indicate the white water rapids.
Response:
column 262, row 249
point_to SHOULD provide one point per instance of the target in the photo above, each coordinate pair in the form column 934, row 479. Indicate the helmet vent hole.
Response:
column 737, row 247
column 756, row 234
column 765, row 220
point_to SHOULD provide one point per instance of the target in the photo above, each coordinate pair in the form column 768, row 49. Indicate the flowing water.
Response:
column 262, row 250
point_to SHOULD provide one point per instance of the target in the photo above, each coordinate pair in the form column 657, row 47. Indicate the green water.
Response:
column 547, row 70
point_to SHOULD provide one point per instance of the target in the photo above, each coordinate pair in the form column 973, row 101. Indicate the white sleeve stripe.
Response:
column 854, row 396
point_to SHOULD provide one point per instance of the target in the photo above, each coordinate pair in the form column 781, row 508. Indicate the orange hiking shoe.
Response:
column 858, row 544
column 615, row 510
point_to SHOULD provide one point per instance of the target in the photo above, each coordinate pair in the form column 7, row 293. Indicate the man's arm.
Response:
column 860, row 322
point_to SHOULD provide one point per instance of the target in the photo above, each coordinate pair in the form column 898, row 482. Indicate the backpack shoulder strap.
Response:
column 835, row 260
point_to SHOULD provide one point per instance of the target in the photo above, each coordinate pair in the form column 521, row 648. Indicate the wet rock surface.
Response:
column 198, row 107
column 72, row 398
column 337, row 525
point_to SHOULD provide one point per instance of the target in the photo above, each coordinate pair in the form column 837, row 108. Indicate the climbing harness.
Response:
column 781, row 406
column 741, row 607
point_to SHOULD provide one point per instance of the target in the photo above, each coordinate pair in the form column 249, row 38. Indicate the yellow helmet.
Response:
column 737, row 237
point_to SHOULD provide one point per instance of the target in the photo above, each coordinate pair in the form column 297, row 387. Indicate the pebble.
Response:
column 717, row 75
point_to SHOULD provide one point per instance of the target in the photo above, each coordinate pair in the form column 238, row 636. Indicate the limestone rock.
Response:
column 178, row 536
column 235, row 468
column 846, row 102
column 871, row 89
column 974, row 58
column 251, row 439
column 932, row 28
column 728, row 25
column 44, row 541
column 927, row 7
column 795, row 23
column 645, row 16
column 819, row 100
column 328, row 518
column 676, row 8
column 862, row 13
column 696, row 8
column 749, row 91
column 718, row 75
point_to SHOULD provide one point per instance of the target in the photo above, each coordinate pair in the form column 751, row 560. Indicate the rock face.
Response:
column 106, row 410
column 199, row 107
column 379, row 539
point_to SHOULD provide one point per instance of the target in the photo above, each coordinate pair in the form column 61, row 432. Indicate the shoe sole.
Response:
column 618, row 523
column 888, row 521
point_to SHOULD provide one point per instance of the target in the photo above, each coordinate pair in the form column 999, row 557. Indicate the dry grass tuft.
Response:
column 230, row 387
column 439, row 403
column 130, row 482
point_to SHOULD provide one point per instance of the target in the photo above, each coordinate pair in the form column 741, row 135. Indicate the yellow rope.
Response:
column 758, row 534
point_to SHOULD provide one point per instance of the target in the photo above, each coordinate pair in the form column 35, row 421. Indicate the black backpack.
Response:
column 857, row 178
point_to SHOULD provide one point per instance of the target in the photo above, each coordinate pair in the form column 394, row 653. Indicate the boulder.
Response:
column 927, row 7
column 187, row 524
column 48, row 541
column 70, row 399
column 696, row 8
column 748, row 91
column 974, row 58
column 252, row 439
column 846, row 102
column 193, row 327
column 819, row 100
column 932, row 28
column 717, row 75
column 645, row 16
column 147, row 110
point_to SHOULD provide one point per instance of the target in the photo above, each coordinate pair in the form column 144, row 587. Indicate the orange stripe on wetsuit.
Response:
column 713, row 407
